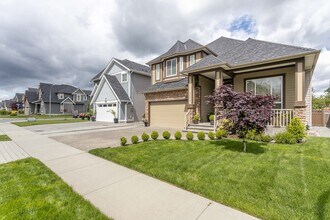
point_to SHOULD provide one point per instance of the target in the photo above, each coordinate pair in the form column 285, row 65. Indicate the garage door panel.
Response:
column 168, row 114
column 103, row 112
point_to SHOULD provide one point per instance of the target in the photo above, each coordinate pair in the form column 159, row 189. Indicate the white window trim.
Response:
column 271, row 89
column 181, row 63
column 157, row 72
column 60, row 96
column 78, row 95
column 175, row 60
column 190, row 63
column 123, row 81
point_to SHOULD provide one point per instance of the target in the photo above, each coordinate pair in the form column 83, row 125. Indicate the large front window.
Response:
column 171, row 68
column 270, row 85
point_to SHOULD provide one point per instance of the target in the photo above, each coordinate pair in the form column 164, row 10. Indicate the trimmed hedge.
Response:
column 154, row 135
column 285, row 138
column 211, row 135
column 123, row 141
column 145, row 137
column 201, row 135
column 221, row 133
column 190, row 136
column 166, row 135
column 134, row 139
column 177, row 135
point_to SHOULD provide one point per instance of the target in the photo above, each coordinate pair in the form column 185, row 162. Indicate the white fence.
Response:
column 281, row 117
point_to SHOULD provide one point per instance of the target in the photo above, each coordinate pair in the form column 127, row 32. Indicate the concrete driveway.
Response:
column 90, row 135
column 320, row 131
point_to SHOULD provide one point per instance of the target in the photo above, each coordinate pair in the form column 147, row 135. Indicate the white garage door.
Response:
column 168, row 114
column 103, row 112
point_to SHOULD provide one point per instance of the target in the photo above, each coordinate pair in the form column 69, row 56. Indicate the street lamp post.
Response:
column 50, row 101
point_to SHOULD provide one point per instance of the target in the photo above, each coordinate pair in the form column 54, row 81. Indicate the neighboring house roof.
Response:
column 54, row 89
column 87, row 92
column 179, row 47
column 132, row 66
column 32, row 89
column 117, row 88
column 19, row 96
column 168, row 86
column 31, row 96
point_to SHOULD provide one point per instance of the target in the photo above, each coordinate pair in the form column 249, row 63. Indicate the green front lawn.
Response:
column 270, row 181
column 36, row 116
column 48, row 121
column 29, row 190
column 4, row 138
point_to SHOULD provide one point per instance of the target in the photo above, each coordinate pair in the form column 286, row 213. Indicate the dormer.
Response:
column 168, row 66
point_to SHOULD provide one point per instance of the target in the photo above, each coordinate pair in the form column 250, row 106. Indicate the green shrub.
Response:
column 154, row 135
column 13, row 113
column 123, row 141
column 297, row 128
column 201, row 135
column 190, row 136
column 211, row 117
column 134, row 139
column 257, row 137
column 251, row 134
column 211, row 135
column 226, row 125
column 285, row 138
column 221, row 133
column 178, row 135
column 145, row 137
column 265, row 138
column 4, row 112
column 166, row 135
column 196, row 118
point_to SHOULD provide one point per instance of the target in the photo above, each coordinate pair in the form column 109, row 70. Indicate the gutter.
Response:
column 165, row 90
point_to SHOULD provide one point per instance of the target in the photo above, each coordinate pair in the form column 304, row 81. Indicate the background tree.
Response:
column 322, row 101
column 246, row 110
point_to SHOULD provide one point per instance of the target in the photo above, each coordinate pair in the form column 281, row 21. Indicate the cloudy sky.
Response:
column 68, row 42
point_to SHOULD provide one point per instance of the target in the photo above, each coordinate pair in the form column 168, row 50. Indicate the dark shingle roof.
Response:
column 33, row 89
column 223, row 44
column 179, row 47
column 19, row 96
column 209, row 60
column 31, row 95
column 252, row 50
column 165, row 86
column 87, row 92
column 134, row 66
column 116, row 86
column 65, row 89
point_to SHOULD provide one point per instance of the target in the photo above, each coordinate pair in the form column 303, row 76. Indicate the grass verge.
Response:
column 271, row 181
column 47, row 122
column 29, row 190
column 4, row 138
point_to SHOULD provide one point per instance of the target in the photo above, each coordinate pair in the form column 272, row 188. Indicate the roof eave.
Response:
column 165, row 90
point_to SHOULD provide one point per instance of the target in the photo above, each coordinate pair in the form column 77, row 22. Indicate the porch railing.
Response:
column 186, row 122
column 281, row 117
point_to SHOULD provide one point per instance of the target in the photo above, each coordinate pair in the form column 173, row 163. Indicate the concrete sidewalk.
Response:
column 117, row 191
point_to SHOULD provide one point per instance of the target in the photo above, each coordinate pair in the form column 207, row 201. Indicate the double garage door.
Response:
column 168, row 114
column 103, row 112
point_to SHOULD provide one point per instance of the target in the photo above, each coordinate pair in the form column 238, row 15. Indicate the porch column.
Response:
column 191, row 91
column 218, row 78
column 300, row 91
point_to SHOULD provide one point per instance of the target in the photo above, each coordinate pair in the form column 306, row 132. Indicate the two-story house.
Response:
column 56, row 99
column 188, row 72
column 118, row 88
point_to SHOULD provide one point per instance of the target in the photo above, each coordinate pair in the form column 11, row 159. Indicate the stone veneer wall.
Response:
column 300, row 112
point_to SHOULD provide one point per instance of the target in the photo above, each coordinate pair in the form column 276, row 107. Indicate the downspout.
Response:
column 126, row 112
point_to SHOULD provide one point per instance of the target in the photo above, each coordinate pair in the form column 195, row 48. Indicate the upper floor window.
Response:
column 171, row 68
column 157, row 71
column 85, row 97
column 181, row 64
column 124, row 77
column 78, row 97
column 270, row 85
column 60, row 96
column 192, row 59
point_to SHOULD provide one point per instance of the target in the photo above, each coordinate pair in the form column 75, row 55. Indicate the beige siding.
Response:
column 289, row 84
column 168, row 114
column 153, row 76
column 207, row 87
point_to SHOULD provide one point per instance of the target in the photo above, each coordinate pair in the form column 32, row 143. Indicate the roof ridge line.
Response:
column 288, row 45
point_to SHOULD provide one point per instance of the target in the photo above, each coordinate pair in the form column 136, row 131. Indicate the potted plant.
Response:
column 115, row 119
column 82, row 116
column 211, row 118
column 196, row 119
column 93, row 118
column 145, row 120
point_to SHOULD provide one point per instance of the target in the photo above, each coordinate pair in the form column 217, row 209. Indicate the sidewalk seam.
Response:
column 208, row 205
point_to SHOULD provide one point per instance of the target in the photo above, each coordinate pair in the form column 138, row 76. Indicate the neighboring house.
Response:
column 118, row 88
column 57, row 99
column 30, row 96
column 6, row 104
column 18, row 100
column 188, row 72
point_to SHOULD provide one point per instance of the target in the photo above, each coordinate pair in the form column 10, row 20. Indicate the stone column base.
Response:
column 300, row 112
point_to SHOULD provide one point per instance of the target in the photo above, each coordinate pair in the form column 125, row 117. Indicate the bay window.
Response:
column 192, row 59
column 268, row 85
column 171, row 68
column 157, row 72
